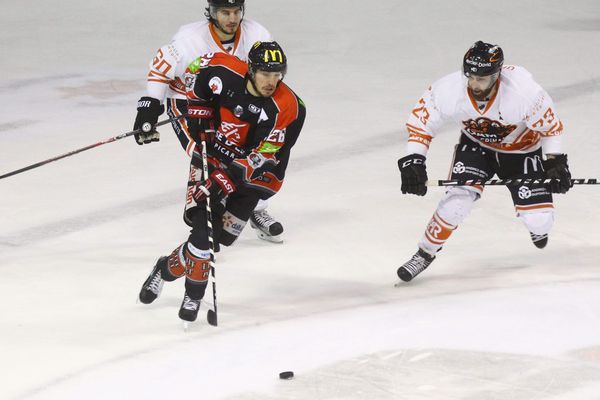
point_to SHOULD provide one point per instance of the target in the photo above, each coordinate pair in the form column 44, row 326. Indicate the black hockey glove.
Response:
column 414, row 174
column 218, row 185
column 557, row 168
column 148, row 111
column 201, row 123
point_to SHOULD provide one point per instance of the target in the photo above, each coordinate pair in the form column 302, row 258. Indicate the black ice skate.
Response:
column 189, row 309
column 266, row 227
column 413, row 267
column 540, row 241
column 152, row 287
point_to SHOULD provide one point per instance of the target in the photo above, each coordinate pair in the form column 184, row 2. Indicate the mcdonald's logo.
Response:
column 273, row 55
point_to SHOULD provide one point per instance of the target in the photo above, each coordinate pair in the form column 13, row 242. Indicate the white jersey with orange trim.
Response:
column 519, row 118
column 167, row 68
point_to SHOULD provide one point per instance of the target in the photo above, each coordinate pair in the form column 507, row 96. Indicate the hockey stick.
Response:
column 211, row 315
column 100, row 143
column 505, row 182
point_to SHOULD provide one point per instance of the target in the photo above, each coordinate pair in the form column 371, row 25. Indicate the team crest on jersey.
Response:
column 238, row 111
column 216, row 85
column 189, row 81
column 487, row 130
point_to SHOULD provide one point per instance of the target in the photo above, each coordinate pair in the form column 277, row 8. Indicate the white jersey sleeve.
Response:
column 162, row 71
column 541, row 117
column 167, row 68
column 429, row 115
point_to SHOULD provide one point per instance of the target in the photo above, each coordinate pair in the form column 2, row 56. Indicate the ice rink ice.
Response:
column 493, row 318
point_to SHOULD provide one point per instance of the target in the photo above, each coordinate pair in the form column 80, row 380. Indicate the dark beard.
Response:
column 484, row 95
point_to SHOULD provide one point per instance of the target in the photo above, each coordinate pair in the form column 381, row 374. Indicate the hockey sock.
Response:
column 451, row 211
column 197, row 270
column 174, row 267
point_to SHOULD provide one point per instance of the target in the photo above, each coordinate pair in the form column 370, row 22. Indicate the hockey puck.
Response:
column 286, row 375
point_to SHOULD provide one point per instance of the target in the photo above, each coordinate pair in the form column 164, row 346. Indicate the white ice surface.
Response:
column 493, row 318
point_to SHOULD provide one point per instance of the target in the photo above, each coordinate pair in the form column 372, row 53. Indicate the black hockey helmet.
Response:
column 267, row 56
column 214, row 5
column 483, row 59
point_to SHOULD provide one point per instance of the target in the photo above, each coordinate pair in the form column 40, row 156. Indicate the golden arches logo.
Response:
column 273, row 56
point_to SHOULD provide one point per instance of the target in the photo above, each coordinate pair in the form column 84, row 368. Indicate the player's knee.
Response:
column 539, row 222
column 457, row 204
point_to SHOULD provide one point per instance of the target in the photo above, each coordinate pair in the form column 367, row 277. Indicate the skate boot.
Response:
column 540, row 241
column 266, row 227
column 189, row 309
column 413, row 267
column 152, row 287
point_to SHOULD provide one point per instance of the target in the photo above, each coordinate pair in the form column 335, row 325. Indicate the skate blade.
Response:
column 269, row 238
column 185, row 325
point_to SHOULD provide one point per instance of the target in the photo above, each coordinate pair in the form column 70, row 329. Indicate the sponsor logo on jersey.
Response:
column 216, row 85
column 487, row 130
column 459, row 168
column 253, row 109
column 535, row 162
column 524, row 192
column 232, row 131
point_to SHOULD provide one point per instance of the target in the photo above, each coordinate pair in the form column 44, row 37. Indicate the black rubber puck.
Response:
column 286, row 375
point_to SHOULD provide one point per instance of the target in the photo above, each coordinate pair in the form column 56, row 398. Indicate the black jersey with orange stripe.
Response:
column 251, row 129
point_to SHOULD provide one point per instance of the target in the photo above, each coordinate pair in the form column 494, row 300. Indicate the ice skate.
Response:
column 413, row 267
column 266, row 227
column 540, row 241
column 153, row 285
column 188, row 311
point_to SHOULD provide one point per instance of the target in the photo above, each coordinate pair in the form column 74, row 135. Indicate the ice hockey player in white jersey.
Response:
column 509, row 128
column 224, row 30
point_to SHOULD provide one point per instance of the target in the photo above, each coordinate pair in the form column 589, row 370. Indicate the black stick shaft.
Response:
column 504, row 182
column 211, row 314
column 91, row 146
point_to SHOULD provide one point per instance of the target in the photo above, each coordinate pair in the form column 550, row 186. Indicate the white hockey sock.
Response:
column 454, row 207
column 537, row 222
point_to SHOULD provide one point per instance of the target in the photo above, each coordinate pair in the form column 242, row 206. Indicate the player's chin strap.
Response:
column 508, row 182
column 91, row 146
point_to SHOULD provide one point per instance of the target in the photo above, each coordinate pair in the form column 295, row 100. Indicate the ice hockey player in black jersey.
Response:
column 250, row 120
column 225, row 29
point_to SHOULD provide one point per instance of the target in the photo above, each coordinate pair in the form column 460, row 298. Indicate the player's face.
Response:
column 266, row 82
column 481, row 86
column 228, row 19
